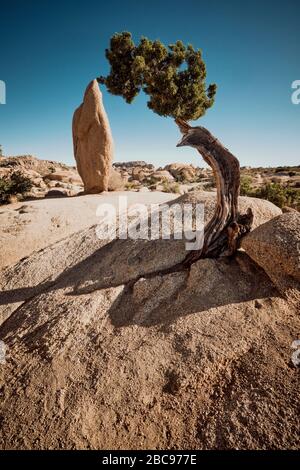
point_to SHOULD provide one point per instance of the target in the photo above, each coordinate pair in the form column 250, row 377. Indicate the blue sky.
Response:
column 50, row 50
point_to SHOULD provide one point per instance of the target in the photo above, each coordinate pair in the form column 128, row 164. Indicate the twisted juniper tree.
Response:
column 174, row 78
column 155, row 69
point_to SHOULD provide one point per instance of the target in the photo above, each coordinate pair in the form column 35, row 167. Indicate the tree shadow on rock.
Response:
column 210, row 283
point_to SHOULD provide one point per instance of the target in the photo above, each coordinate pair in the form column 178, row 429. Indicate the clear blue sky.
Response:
column 51, row 49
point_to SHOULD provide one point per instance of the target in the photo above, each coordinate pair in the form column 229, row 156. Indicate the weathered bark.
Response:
column 223, row 231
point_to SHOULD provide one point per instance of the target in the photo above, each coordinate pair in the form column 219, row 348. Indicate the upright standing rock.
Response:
column 92, row 140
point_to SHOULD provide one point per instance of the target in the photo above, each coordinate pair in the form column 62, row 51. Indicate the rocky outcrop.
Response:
column 138, row 174
column 44, row 176
column 30, row 226
column 93, row 144
column 115, row 182
column 64, row 177
column 184, row 173
column 29, row 162
column 262, row 210
column 162, row 175
column 275, row 246
column 102, row 355
column 133, row 164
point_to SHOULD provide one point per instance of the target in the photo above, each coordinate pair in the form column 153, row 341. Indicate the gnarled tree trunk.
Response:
column 223, row 231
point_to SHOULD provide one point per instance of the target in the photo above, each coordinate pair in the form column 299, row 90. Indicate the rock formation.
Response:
column 21, row 230
column 116, row 182
column 100, row 355
column 92, row 139
column 133, row 164
column 183, row 172
column 275, row 246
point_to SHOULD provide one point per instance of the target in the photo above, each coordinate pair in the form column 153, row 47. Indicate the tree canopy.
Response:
column 173, row 76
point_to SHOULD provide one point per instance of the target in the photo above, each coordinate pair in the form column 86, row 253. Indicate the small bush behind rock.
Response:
column 12, row 185
column 275, row 192
column 171, row 187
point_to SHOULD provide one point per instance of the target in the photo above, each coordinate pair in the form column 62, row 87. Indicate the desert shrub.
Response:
column 279, row 195
column 274, row 192
column 292, row 173
column 246, row 186
column 209, row 185
column 171, row 187
column 20, row 184
column 151, row 181
column 129, row 185
column 4, row 191
column 180, row 179
column 14, row 184
column 281, row 169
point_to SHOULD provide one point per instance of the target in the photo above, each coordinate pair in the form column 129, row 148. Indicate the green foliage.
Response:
column 287, row 169
column 151, row 181
column 173, row 76
column 245, row 187
column 16, row 183
column 20, row 184
column 276, row 193
column 4, row 188
column 279, row 195
column 210, row 185
column 129, row 185
column 170, row 187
